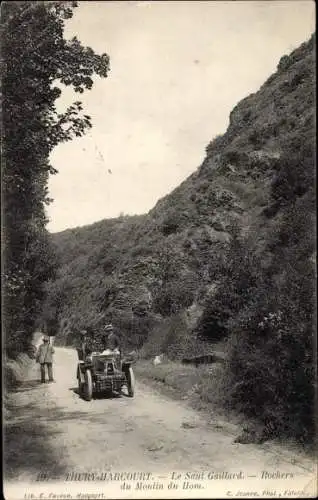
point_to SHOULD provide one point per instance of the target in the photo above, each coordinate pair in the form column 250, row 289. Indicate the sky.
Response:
column 177, row 70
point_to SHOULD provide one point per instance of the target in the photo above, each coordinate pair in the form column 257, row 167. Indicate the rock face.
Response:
column 162, row 262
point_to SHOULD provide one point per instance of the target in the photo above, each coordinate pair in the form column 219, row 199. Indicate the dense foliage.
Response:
column 35, row 58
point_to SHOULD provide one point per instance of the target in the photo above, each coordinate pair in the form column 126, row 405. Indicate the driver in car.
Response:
column 112, row 342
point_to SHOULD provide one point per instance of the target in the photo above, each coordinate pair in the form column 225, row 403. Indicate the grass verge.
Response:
column 200, row 386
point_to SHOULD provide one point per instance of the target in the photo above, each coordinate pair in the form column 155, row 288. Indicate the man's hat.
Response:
column 108, row 328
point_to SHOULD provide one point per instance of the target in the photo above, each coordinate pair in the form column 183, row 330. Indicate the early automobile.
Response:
column 102, row 373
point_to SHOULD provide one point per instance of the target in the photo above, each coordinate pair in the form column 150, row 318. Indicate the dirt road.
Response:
column 54, row 435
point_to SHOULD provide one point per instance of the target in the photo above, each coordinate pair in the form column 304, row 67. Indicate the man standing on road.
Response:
column 44, row 356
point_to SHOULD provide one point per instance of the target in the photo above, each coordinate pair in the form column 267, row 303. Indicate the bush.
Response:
column 175, row 295
column 173, row 337
column 265, row 306
column 295, row 175
column 237, row 275
column 270, row 370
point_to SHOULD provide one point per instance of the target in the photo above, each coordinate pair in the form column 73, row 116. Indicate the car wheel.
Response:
column 80, row 387
column 88, row 386
column 130, row 382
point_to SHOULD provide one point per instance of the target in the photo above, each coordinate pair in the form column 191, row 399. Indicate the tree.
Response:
column 35, row 59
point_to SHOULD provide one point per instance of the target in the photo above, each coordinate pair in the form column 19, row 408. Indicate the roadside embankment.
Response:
column 15, row 371
column 201, row 386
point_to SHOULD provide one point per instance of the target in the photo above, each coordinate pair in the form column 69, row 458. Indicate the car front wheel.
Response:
column 130, row 382
column 88, row 386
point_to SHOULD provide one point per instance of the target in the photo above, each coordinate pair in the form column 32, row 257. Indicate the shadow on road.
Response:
column 106, row 395
column 27, row 435
column 75, row 390
column 27, row 386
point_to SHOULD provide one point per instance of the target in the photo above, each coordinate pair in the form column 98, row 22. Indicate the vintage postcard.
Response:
column 158, row 249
